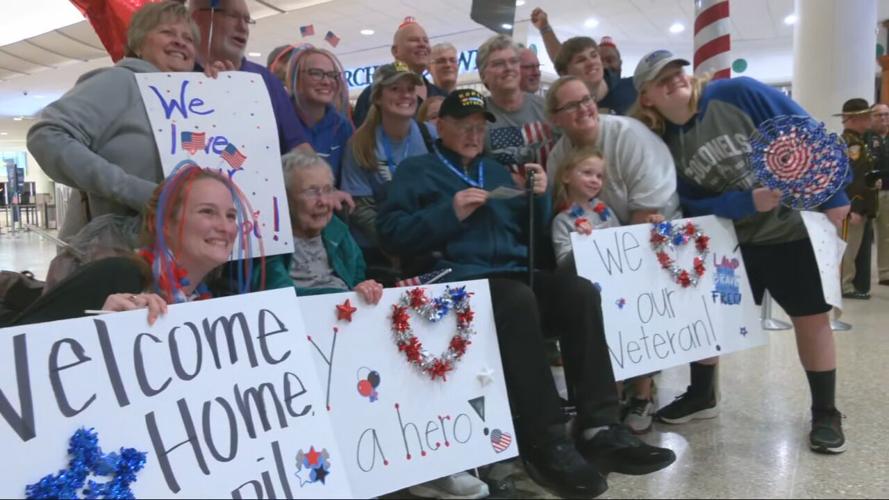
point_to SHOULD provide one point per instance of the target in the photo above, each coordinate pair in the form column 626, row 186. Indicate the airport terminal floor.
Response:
column 757, row 447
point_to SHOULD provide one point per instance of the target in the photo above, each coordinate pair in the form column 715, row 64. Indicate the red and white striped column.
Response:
column 713, row 40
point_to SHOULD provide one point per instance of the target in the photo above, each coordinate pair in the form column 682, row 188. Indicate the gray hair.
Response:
column 300, row 161
column 493, row 44
column 149, row 16
column 438, row 48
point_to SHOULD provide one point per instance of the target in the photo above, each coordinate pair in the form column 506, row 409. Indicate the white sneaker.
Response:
column 460, row 485
column 640, row 415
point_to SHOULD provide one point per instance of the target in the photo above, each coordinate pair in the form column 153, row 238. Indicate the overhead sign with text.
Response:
column 219, row 399
column 414, row 385
column 672, row 293
column 226, row 124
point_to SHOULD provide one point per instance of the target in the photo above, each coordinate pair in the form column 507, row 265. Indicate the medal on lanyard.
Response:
column 481, row 172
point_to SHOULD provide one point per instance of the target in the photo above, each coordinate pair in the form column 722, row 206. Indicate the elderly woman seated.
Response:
column 325, row 257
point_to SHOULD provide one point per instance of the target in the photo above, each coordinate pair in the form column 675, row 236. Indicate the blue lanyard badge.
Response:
column 459, row 173
column 387, row 149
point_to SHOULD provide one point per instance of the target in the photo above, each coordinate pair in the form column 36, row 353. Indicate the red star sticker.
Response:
column 345, row 311
column 312, row 456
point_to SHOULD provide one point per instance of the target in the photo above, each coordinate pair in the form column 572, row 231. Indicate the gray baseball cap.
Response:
column 651, row 64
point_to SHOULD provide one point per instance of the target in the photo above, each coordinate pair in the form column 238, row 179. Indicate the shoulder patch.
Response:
column 854, row 152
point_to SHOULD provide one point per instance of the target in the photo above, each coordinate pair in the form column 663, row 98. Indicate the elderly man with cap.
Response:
column 864, row 189
column 410, row 45
column 444, row 203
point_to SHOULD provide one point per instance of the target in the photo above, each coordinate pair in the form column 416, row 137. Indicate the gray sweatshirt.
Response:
column 639, row 174
column 97, row 138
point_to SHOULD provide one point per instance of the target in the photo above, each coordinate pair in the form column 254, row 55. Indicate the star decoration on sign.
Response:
column 743, row 331
column 485, row 376
column 345, row 310
column 312, row 456
column 320, row 474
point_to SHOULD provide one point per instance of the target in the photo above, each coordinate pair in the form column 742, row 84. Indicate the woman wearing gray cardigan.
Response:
column 97, row 137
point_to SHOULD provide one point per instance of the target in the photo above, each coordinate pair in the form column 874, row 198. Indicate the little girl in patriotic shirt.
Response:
column 579, row 179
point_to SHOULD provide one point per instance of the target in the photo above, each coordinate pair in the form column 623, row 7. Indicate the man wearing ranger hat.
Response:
column 863, row 192
column 462, row 206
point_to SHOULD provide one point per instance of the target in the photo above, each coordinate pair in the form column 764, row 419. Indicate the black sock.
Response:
column 703, row 380
column 823, row 386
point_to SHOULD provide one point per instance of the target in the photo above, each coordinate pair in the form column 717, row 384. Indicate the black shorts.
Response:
column 789, row 272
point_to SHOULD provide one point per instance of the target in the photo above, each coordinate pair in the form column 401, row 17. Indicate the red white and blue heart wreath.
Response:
column 433, row 309
column 666, row 236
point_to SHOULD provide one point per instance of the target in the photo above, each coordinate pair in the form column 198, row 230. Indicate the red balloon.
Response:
column 364, row 388
column 110, row 20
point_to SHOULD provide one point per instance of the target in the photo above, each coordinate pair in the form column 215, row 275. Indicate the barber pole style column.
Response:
column 713, row 41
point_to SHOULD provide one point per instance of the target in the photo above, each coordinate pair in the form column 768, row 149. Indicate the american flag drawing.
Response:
column 332, row 39
column 530, row 143
column 423, row 279
column 307, row 30
column 232, row 156
column 193, row 141
column 500, row 440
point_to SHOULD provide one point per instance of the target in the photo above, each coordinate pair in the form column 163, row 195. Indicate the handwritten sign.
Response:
column 651, row 321
column 395, row 425
column 225, row 124
column 221, row 395
column 828, row 248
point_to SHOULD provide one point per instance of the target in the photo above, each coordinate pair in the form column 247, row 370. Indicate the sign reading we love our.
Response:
column 657, row 317
column 226, row 124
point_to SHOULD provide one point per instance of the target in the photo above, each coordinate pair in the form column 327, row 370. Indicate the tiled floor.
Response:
column 757, row 447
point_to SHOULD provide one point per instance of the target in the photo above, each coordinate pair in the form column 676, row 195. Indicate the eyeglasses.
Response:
column 501, row 64
column 469, row 129
column 533, row 67
column 231, row 15
column 317, row 75
column 573, row 106
column 316, row 192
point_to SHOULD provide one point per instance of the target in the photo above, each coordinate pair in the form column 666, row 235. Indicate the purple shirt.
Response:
column 290, row 132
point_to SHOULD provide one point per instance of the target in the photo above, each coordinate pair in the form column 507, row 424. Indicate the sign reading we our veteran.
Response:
column 671, row 294
column 226, row 124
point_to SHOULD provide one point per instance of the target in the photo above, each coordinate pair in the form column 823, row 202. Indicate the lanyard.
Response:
column 459, row 173
column 387, row 149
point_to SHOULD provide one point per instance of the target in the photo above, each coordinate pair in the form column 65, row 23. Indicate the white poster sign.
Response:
column 225, row 124
column 828, row 248
column 220, row 395
column 652, row 321
column 395, row 424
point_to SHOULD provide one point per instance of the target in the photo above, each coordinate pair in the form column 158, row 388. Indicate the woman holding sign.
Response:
column 97, row 137
column 697, row 118
column 190, row 229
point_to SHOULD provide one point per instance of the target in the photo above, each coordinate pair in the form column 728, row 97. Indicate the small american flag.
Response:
column 332, row 39
column 500, row 440
column 423, row 279
column 232, row 156
column 193, row 141
column 307, row 30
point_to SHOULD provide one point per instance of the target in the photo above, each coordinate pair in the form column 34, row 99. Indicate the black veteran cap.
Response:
column 464, row 102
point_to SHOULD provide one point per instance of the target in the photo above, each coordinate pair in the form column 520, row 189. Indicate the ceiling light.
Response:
column 367, row 32
column 676, row 28
column 506, row 26
column 4, row 133
column 591, row 23
column 790, row 20
column 519, row 3
column 254, row 54
column 18, row 118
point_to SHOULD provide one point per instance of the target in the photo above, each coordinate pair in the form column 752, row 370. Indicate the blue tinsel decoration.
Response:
column 87, row 458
